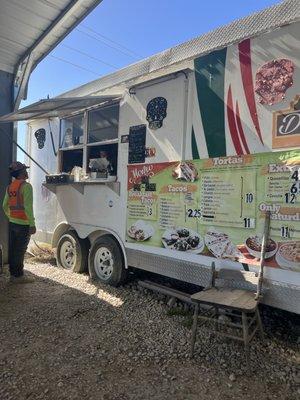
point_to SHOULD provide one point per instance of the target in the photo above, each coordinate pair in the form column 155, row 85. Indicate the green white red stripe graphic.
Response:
column 240, row 129
column 247, row 79
column 210, row 85
column 232, row 124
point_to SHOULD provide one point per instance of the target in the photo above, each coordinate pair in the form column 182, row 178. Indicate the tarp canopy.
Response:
column 57, row 107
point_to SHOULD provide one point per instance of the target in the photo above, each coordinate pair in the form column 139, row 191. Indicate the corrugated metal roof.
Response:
column 36, row 25
column 271, row 18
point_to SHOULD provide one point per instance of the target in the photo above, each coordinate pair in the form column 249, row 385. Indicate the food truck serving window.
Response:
column 103, row 124
column 71, row 131
column 102, row 141
column 71, row 142
column 89, row 143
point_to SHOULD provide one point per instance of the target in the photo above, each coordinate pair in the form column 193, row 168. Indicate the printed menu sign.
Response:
column 219, row 191
column 216, row 207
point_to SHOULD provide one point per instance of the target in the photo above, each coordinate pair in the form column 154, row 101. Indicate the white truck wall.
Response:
column 46, row 208
column 167, row 140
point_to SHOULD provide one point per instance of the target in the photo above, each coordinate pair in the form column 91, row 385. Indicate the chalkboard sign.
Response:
column 137, row 144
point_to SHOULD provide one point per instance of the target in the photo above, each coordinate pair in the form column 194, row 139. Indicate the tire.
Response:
column 106, row 262
column 72, row 252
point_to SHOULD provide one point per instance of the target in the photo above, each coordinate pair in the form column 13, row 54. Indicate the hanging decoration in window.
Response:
column 40, row 136
column 156, row 112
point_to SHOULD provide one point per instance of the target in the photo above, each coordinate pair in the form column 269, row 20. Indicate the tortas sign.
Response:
column 215, row 207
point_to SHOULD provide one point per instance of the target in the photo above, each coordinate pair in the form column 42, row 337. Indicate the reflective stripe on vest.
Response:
column 16, row 202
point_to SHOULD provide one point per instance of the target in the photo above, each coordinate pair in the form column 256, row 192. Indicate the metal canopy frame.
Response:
column 67, row 20
column 57, row 107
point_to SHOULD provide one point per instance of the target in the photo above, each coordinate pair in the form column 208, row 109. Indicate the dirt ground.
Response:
column 64, row 337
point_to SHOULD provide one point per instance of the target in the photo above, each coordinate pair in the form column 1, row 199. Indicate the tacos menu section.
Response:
column 216, row 207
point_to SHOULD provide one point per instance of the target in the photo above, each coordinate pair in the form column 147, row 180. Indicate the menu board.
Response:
column 137, row 143
column 216, row 207
column 219, row 192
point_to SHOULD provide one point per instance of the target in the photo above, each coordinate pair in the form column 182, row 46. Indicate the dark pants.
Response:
column 18, row 241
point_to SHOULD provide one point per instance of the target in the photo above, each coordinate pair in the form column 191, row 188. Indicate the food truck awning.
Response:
column 57, row 107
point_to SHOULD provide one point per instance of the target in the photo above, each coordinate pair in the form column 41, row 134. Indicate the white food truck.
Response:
column 171, row 163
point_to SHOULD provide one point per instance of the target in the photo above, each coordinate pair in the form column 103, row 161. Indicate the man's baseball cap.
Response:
column 17, row 166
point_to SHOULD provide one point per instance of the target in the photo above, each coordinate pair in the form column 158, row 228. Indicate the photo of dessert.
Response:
column 254, row 243
column 183, row 239
column 288, row 255
column 185, row 171
column 220, row 245
column 140, row 231
column 273, row 79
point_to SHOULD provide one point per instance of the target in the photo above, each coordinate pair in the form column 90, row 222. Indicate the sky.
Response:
column 118, row 33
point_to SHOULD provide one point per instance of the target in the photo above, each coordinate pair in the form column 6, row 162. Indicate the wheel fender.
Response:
column 61, row 228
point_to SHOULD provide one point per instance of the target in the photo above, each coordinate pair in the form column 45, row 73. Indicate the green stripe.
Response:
column 209, row 74
column 195, row 152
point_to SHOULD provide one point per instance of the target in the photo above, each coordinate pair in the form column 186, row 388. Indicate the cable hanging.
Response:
column 89, row 56
column 108, row 45
column 74, row 65
column 112, row 41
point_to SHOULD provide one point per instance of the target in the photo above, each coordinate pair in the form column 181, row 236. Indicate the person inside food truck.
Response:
column 102, row 163
column 105, row 161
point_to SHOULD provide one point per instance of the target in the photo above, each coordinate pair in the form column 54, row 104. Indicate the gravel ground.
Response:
column 63, row 337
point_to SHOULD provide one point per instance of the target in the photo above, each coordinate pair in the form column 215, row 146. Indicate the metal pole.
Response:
column 265, row 239
column 6, row 107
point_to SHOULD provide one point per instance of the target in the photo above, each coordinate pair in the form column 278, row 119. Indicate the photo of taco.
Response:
column 185, row 171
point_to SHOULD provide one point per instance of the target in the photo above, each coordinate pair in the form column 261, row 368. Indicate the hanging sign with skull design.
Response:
column 156, row 112
column 40, row 136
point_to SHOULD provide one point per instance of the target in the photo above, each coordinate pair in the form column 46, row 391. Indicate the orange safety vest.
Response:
column 16, row 201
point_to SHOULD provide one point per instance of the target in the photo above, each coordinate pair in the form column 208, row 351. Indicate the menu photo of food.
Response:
column 273, row 79
column 288, row 255
column 285, row 255
column 185, row 171
column 183, row 239
column 221, row 246
column 254, row 244
column 140, row 231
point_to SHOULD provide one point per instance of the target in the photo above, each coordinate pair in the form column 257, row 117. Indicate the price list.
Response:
column 281, row 188
column 228, row 198
column 170, row 212
column 142, row 207
column 282, row 192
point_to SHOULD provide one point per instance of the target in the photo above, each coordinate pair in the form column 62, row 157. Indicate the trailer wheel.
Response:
column 106, row 262
column 72, row 252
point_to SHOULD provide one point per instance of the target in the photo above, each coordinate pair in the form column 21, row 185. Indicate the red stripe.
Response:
column 232, row 124
column 240, row 128
column 246, row 71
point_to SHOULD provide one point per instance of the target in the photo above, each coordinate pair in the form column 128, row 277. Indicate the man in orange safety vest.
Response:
column 18, row 206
